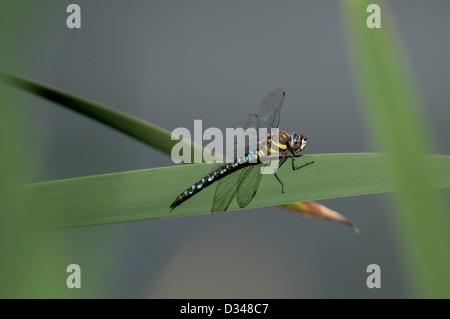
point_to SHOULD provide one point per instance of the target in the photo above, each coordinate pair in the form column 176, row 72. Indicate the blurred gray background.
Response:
column 171, row 62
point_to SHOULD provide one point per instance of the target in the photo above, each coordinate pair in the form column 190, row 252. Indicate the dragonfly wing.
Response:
column 267, row 116
column 244, row 139
column 250, row 120
column 246, row 182
column 248, row 185
column 225, row 190
column 269, row 111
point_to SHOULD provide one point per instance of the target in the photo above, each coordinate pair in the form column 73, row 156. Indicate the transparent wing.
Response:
column 248, row 185
column 267, row 116
column 269, row 111
column 225, row 191
column 227, row 187
column 246, row 181
column 245, row 138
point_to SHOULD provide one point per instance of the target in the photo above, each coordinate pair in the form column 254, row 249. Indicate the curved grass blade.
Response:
column 143, row 131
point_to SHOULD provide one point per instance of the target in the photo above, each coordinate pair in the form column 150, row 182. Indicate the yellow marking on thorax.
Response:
column 280, row 146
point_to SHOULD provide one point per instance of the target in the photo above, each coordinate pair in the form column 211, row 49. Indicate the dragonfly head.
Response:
column 298, row 142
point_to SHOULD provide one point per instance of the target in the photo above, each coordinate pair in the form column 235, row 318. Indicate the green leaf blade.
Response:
column 397, row 122
column 137, row 128
column 147, row 194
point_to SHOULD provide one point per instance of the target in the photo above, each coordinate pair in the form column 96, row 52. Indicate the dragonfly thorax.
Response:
column 298, row 142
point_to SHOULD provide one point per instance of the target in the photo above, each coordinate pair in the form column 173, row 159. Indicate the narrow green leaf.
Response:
column 147, row 194
column 398, row 124
column 143, row 131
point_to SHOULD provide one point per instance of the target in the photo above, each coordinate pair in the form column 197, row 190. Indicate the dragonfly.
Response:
column 241, row 177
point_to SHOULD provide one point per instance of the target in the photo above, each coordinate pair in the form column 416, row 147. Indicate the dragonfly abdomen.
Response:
column 251, row 158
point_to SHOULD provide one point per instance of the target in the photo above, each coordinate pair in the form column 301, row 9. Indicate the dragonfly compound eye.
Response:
column 304, row 140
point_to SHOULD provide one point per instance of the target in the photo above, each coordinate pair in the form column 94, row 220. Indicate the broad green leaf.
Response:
column 147, row 194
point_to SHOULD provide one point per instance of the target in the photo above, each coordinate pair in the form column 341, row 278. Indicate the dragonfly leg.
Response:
column 282, row 160
column 299, row 166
